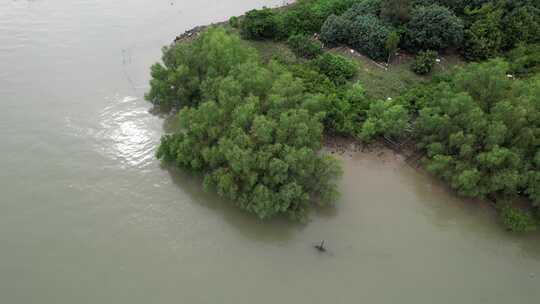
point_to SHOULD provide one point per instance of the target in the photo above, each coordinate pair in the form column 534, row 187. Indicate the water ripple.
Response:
column 124, row 132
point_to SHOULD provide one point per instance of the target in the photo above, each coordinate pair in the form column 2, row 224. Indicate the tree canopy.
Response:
column 481, row 131
column 255, row 132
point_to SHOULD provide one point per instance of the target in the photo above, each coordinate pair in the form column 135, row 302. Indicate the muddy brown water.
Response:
column 87, row 215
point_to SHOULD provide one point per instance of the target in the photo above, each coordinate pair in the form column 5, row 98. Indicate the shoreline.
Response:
column 385, row 149
column 192, row 33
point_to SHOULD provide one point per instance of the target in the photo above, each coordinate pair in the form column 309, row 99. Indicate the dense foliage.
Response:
column 516, row 219
column 424, row 62
column 396, row 12
column 304, row 17
column 525, row 59
column 307, row 16
column 384, row 118
column 367, row 25
column 305, row 46
column 480, row 129
column 481, row 29
column 178, row 81
column 497, row 26
column 434, row 27
column 484, row 37
column 335, row 30
column 335, row 67
column 368, row 35
column 363, row 32
column 255, row 132
column 260, row 24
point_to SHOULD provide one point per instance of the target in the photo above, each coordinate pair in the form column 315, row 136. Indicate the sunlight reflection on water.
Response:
column 125, row 134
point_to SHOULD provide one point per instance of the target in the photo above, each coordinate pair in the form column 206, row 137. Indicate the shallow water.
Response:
column 87, row 215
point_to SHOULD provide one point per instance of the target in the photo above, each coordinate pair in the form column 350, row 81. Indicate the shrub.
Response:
column 478, row 131
column 525, row 59
column 515, row 219
column 336, row 67
column 391, row 44
column 307, row 16
column 522, row 26
column 424, row 62
column 364, row 7
column 176, row 83
column 386, row 118
column 304, row 46
column 335, row 30
column 434, row 27
column 484, row 36
column 260, row 24
column 396, row 11
column 233, row 21
column 368, row 35
column 347, row 111
column 457, row 6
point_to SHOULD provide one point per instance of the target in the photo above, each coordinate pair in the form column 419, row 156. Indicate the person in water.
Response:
column 321, row 247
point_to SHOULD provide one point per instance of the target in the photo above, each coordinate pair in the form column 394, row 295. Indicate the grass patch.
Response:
column 381, row 81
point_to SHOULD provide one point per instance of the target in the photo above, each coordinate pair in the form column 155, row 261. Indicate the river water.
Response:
column 87, row 215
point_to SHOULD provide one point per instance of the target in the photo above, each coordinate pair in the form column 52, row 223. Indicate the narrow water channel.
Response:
column 87, row 215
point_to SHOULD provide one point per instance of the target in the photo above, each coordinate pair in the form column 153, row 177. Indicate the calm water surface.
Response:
column 88, row 216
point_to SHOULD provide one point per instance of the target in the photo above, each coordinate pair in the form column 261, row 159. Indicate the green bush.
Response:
column 515, row 219
column 396, row 12
column 386, row 118
column 335, row 30
column 522, row 25
column 346, row 111
column 260, row 24
column 434, row 27
column 233, row 22
column 336, row 67
column 368, row 35
column 304, row 46
column 176, row 83
column 483, row 37
column 457, row 6
column 307, row 16
column 424, row 62
column 363, row 7
column 478, row 130
column 525, row 59
column 312, row 78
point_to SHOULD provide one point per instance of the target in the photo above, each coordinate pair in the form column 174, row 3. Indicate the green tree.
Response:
column 391, row 44
column 481, row 130
column 255, row 135
column 396, row 12
column 434, row 27
column 521, row 25
column 368, row 35
column 484, row 36
column 386, row 118
column 260, row 24
column 304, row 46
column 525, row 59
column 177, row 81
column 335, row 30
